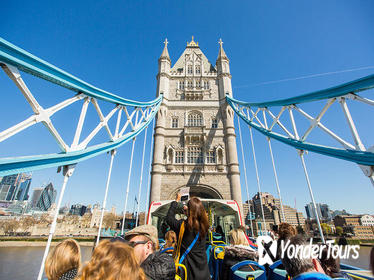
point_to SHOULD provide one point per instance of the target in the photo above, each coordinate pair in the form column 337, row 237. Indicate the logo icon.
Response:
column 267, row 250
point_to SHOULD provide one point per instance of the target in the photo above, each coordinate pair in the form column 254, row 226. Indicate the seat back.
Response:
column 277, row 271
column 218, row 255
column 168, row 251
column 256, row 272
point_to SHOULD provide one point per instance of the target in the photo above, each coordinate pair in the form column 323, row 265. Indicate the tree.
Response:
column 326, row 228
column 44, row 219
column 9, row 226
column 339, row 230
column 86, row 220
column 109, row 220
column 27, row 222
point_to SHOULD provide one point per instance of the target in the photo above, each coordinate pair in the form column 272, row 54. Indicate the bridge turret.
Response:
column 224, row 88
column 223, row 72
column 163, row 75
column 163, row 82
column 194, row 140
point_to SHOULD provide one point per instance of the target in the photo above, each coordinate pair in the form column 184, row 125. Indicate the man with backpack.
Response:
column 156, row 265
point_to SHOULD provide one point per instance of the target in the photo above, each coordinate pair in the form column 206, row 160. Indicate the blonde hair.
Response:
column 66, row 256
column 171, row 239
column 237, row 237
column 113, row 260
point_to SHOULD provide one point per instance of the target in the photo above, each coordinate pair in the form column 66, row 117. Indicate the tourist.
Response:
column 113, row 260
column 238, row 250
column 63, row 263
column 297, row 266
column 285, row 232
column 274, row 232
column 219, row 230
column 243, row 228
column 193, row 236
column 156, row 265
column 331, row 266
column 171, row 239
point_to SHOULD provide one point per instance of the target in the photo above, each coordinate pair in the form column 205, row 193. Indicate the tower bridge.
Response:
column 194, row 133
column 195, row 143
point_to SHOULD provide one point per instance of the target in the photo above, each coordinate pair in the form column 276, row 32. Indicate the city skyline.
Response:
column 262, row 48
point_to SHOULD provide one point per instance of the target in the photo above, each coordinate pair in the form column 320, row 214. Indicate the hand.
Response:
column 178, row 198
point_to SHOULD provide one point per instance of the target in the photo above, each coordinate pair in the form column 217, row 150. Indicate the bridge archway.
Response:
column 199, row 190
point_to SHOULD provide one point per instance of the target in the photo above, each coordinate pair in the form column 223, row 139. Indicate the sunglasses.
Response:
column 134, row 243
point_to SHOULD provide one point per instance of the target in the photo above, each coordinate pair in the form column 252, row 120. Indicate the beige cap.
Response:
column 146, row 230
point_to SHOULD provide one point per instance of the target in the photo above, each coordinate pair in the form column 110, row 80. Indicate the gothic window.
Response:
column 198, row 84
column 220, row 156
column 195, row 119
column 189, row 84
column 179, row 157
column 174, row 122
column 197, row 69
column 214, row 123
column 211, row 157
column 206, row 85
column 189, row 69
column 181, row 85
column 170, row 156
column 195, row 155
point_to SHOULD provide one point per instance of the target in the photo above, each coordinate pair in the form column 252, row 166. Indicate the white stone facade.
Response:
column 367, row 220
column 195, row 142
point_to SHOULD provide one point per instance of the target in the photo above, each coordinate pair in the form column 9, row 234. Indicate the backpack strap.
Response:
column 189, row 248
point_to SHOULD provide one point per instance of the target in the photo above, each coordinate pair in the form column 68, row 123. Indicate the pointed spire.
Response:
column 165, row 53
column 192, row 44
column 221, row 53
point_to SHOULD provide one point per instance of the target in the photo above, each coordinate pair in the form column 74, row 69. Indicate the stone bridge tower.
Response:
column 194, row 137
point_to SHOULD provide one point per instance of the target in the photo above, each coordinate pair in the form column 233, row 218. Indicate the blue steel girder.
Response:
column 14, row 59
column 356, row 152
column 26, row 62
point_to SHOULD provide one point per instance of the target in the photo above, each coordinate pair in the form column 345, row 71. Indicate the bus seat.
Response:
column 218, row 255
column 208, row 251
column 217, row 237
column 312, row 276
column 238, row 274
column 248, row 274
column 276, row 271
column 168, row 251
column 219, row 252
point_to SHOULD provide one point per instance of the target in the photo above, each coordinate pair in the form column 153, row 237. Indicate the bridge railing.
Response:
column 131, row 116
column 270, row 119
column 263, row 118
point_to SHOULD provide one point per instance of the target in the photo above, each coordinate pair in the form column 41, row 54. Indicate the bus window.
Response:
column 223, row 213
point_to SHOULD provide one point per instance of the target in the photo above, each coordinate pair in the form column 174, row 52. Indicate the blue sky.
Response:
column 115, row 46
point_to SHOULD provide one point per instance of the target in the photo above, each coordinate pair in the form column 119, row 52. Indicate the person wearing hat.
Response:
column 156, row 265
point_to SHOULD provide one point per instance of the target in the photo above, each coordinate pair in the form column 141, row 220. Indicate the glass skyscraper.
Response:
column 47, row 198
column 15, row 187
